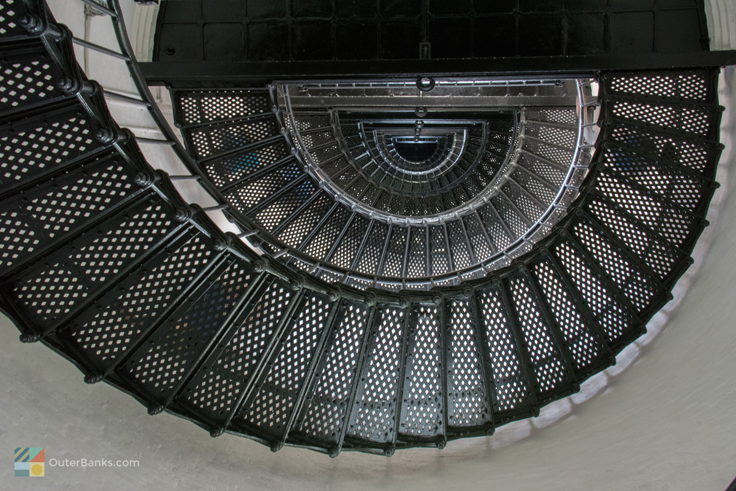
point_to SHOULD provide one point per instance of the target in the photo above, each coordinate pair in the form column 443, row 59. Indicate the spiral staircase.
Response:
column 404, row 274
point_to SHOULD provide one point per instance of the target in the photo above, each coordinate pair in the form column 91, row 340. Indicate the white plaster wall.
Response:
column 720, row 16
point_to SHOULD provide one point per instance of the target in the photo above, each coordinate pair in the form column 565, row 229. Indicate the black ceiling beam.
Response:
column 223, row 74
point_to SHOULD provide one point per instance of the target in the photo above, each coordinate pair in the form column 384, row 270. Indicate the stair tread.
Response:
column 102, row 258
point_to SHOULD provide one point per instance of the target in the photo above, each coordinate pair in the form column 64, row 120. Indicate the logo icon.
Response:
column 29, row 462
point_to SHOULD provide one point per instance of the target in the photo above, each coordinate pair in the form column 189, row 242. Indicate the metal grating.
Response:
column 325, row 413
column 467, row 400
column 422, row 403
column 372, row 346
column 27, row 82
column 49, row 213
column 55, row 140
column 374, row 411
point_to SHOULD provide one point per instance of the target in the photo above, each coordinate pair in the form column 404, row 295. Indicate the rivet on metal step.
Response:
column 222, row 245
column 183, row 214
column 153, row 410
column 259, row 265
column 425, row 84
column 143, row 179
column 32, row 24
column 29, row 338
column 276, row 446
column 92, row 378
column 105, row 135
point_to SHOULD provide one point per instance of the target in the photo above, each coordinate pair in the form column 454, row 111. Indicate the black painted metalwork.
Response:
column 102, row 261
column 340, row 30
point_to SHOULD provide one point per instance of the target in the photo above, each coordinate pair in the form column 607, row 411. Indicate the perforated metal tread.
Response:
column 102, row 261
column 327, row 191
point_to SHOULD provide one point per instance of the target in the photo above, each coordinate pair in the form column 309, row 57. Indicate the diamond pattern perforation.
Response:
column 162, row 362
column 526, row 205
column 667, row 183
column 515, row 222
column 439, row 251
column 140, row 298
column 250, row 194
column 51, row 293
column 328, row 233
column 275, row 214
column 383, row 261
column 548, row 152
column 583, row 345
column 687, row 85
column 393, row 261
column 105, row 334
column 458, row 247
column 28, row 82
column 662, row 218
column 450, row 180
column 273, row 403
column 417, row 261
column 565, row 137
column 218, row 139
column 25, row 153
column 534, row 185
column 633, row 283
column 565, row 116
column 466, row 396
column 422, row 411
column 229, row 170
column 539, row 167
column 654, row 250
column 546, row 359
column 687, row 119
column 698, row 155
column 47, row 212
column 508, row 378
column 497, row 232
column 299, row 227
column 347, row 249
column 375, row 406
column 328, row 404
column 10, row 14
column 370, row 256
column 611, row 315
column 216, row 389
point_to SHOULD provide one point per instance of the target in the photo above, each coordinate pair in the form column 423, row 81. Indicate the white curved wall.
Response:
column 721, row 18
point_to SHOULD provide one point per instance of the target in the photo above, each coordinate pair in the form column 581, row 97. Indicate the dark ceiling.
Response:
column 300, row 30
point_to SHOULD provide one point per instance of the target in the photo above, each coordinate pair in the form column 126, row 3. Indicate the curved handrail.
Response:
column 166, row 130
column 252, row 235
column 296, row 276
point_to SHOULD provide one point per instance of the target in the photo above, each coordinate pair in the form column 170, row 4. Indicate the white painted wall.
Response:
column 720, row 16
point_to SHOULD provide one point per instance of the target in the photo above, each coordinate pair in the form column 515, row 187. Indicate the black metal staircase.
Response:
column 335, row 329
